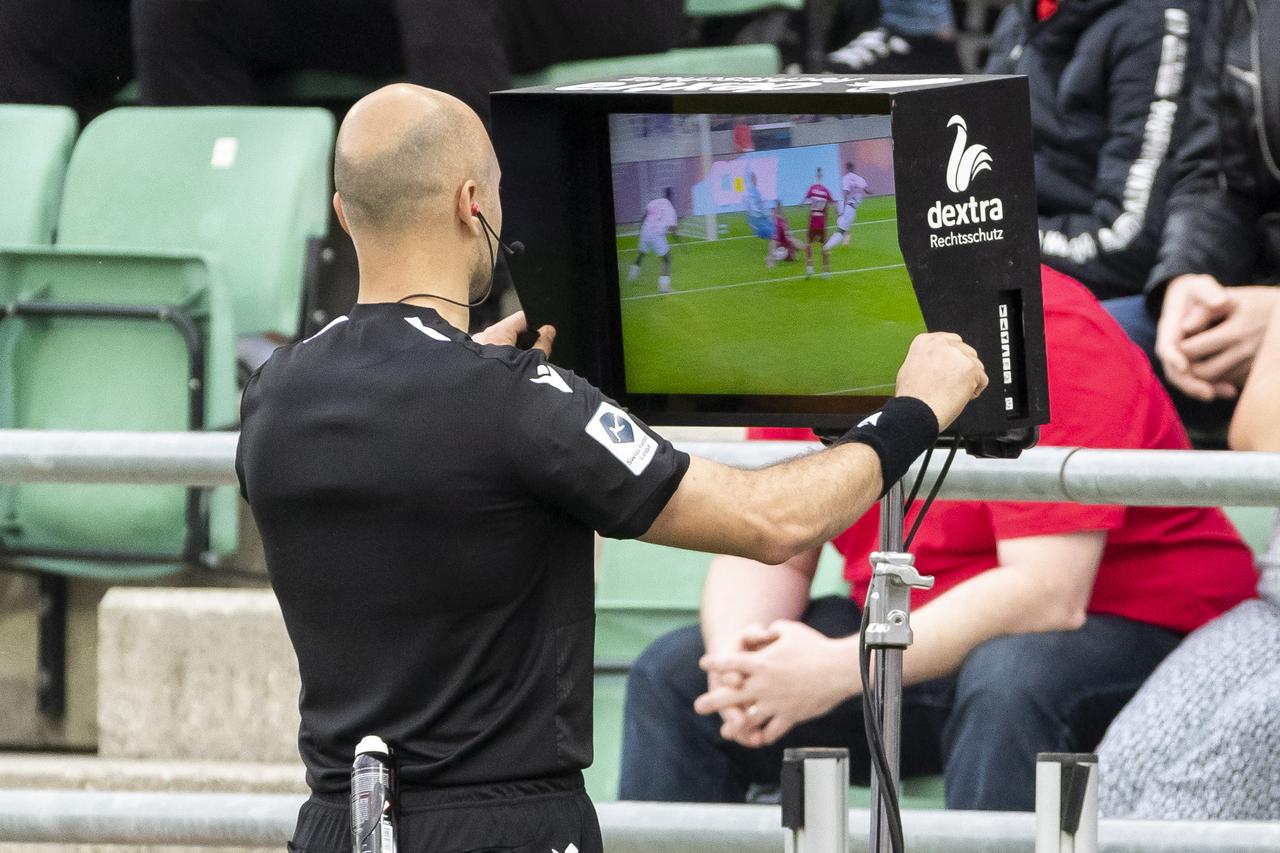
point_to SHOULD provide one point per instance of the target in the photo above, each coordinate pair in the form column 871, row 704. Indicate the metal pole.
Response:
column 1060, row 474
column 1066, row 802
column 887, row 676
column 815, row 782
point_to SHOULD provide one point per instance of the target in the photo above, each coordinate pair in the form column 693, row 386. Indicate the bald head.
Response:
column 402, row 156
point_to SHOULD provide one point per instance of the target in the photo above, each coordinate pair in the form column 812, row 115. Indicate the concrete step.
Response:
column 195, row 675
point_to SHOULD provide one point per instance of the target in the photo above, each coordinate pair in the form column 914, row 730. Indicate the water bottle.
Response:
column 372, row 823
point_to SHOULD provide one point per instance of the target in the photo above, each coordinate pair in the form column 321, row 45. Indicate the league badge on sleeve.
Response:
column 618, row 434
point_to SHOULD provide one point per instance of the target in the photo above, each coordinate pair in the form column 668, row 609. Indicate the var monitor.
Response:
column 762, row 251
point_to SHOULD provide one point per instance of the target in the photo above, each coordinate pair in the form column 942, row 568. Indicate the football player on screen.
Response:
column 660, row 220
column 781, row 248
column 854, row 187
column 818, row 198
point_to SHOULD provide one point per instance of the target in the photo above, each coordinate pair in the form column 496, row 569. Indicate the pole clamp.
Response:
column 893, row 575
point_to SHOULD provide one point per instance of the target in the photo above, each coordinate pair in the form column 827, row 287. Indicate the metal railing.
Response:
column 204, row 819
column 1083, row 475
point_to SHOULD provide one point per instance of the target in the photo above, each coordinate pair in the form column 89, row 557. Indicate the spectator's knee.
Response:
column 1018, row 671
column 667, row 668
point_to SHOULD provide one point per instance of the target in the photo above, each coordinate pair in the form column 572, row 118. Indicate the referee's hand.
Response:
column 944, row 372
column 505, row 332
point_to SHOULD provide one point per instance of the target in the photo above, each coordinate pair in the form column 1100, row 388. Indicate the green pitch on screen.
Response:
column 732, row 325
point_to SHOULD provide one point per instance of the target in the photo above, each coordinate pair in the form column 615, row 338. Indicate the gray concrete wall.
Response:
column 21, row 725
column 200, row 674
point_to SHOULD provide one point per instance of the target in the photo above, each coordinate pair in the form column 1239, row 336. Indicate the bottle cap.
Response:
column 372, row 743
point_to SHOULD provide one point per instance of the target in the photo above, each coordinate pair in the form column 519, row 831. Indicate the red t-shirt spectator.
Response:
column 1177, row 567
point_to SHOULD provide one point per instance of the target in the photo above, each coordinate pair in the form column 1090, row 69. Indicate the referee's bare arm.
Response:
column 774, row 513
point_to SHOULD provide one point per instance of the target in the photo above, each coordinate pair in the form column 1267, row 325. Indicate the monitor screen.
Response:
column 758, row 255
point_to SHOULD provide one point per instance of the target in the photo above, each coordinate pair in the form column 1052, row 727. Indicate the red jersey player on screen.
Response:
column 780, row 247
column 819, row 198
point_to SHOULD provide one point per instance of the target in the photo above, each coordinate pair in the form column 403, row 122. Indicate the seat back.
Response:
column 723, row 8
column 247, row 185
column 35, row 142
column 112, row 373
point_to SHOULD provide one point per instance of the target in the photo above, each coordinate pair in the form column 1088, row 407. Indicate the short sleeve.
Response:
column 578, row 450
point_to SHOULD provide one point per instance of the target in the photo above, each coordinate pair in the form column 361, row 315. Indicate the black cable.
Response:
column 915, row 487
column 493, row 265
column 871, row 724
column 933, row 493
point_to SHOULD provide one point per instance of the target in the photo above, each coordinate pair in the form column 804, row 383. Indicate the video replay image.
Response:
column 758, row 255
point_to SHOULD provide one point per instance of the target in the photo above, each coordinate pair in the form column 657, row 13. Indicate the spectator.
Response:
column 1213, row 286
column 1201, row 740
column 1044, row 620
column 218, row 53
column 1110, row 84
column 71, row 52
column 913, row 37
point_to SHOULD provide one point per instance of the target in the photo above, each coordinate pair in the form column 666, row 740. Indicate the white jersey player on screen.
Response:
column 854, row 188
column 659, row 220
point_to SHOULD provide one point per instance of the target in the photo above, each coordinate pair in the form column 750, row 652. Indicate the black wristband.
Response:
column 903, row 429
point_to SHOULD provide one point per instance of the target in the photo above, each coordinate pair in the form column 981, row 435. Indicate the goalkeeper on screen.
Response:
column 659, row 220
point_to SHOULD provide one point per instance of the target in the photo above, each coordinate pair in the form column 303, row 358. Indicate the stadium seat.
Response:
column 249, row 186
column 35, row 142
column 1255, row 524
column 735, row 60
column 111, row 340
column 723, row 8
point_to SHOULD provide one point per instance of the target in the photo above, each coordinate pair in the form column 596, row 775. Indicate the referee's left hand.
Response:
column 504, row 332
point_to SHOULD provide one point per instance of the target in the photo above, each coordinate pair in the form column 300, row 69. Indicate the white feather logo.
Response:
column 965, row 162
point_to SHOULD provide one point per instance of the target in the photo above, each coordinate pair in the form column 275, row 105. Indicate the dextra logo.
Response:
column 966, row 161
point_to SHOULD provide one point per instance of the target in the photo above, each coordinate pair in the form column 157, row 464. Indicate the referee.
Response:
column 426, row 501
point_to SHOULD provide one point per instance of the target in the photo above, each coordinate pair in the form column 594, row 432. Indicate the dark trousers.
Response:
column 1014, row 696
column 69, row 52
column 535, row 816
column 197, row 52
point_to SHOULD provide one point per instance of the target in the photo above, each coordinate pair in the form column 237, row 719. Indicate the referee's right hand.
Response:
column 944, row 372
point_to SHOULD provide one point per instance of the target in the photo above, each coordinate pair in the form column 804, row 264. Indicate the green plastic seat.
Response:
column 1255, row 524
column 35, row 142
column 734, row 60
column 724, row 8
column 72, row 358
column 246, row 185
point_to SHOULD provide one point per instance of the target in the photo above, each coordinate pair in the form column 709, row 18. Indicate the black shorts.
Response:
column 536, row 816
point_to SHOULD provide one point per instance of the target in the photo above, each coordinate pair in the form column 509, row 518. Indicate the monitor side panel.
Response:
column 969, row 235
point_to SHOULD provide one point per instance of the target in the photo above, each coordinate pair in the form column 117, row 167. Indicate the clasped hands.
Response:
column 771, row 679
column 1208, row 334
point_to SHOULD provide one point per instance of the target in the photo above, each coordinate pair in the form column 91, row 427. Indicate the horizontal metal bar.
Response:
column 1083, row 475
column 158, row 458
column 101, row 817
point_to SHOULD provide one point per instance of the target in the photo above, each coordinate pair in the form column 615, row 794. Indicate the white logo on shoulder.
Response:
column 618, row 434
column 870, row 420
column 966, row 160
column 572, row 848
column 548, row 375
column 426, row 330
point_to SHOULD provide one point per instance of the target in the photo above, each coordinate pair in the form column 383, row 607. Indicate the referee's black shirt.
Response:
column 426, row 506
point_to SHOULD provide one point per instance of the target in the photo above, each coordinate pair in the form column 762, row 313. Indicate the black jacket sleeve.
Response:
column 1112, row 245
column 1213, row 216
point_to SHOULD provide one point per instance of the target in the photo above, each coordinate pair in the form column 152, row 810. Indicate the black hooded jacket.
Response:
column 1110, row 86
column 1224, row 213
